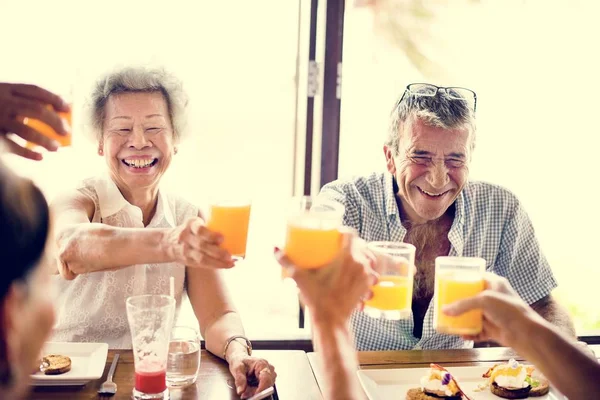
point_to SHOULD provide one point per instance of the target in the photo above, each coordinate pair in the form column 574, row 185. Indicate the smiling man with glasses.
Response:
column 426, row 199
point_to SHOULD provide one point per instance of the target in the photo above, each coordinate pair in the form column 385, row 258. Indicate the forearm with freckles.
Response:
column 92, row 247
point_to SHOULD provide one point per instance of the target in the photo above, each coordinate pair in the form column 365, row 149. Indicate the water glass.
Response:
column 183, row 361
column 150, row 322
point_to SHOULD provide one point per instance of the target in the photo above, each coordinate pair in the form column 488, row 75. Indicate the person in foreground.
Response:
column 508, row 320
column 26, row 311
column 331, row 294
column 425, row 198
column 119, row 235
column 19, row 101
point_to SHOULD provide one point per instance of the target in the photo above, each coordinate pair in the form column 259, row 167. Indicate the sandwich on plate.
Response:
column 513, row 380
column 437, row 384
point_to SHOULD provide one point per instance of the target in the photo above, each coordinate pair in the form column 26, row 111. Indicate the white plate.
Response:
column 87, row 364
column 388, row 384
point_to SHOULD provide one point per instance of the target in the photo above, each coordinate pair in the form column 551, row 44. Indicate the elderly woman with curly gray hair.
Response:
column 120, row 235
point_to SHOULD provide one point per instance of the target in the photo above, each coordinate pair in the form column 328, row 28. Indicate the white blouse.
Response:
column 91, row 308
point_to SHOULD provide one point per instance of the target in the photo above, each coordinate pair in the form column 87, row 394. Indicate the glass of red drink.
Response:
column 150, row 322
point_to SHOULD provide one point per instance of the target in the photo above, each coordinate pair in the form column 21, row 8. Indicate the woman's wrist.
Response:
column 329, row 329
column 330, row 319
column 166, row 245
column 237, row 348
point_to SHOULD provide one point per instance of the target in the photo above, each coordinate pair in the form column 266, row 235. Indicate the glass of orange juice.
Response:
column 313, row 238
column 458, row 278
column 67, row 117
column 231, row 219
column 392, row 295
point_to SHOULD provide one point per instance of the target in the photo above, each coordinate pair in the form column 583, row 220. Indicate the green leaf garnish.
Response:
column 532, row 381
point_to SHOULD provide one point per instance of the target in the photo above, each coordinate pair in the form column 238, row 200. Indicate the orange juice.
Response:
column 392, row 293
column 311, row 247
column 232, row 222
column 64, row 140
column 451, row 287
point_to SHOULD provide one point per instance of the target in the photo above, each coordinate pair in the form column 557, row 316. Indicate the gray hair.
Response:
column 139, row 80
column 439, row 111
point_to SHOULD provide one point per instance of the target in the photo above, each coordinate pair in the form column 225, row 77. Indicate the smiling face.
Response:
column 137, row 140
column 431, row 168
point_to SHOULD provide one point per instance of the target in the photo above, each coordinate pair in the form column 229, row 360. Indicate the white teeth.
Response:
column 431, row 194
column 139, row 163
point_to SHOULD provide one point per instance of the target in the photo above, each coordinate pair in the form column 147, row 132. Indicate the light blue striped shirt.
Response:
column 489, row 223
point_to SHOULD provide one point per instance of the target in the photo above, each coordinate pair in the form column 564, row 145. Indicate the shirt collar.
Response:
column 164, row 207
column 391, row 207
column 455, row 236
column 111, row 201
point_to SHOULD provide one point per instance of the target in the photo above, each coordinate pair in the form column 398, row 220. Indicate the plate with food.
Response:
column 70, row 364
column 510, row 380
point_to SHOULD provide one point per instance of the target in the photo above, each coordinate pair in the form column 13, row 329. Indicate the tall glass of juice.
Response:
column 458, row 278
column 313, row 238
column 150, row 322
column 392, row 295
column 231, row 219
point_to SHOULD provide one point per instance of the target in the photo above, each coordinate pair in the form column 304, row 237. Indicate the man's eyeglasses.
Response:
column 429, row 90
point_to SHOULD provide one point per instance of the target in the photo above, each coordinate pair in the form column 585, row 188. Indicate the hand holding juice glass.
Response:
column 392, row 295
column 41, row 127
column 150, row 320
column 46, row 130
column 458, row 278
column 313, row 238
column 231, row 219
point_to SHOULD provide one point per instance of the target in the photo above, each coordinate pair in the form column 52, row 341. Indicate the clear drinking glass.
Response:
column 392, row 295
column 313, row 238
column 183, row 361
column 458, row 278
column 150, row 321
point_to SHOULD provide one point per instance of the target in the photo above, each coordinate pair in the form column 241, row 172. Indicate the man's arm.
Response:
column 523, row 263
column 556, row 314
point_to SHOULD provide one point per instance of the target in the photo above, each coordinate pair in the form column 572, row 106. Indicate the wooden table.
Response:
column 422, row 358
column 295, row 379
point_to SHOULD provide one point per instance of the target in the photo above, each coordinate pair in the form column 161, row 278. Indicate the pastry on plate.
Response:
column 513, row 380
column 437, row 384
column 55, row 364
